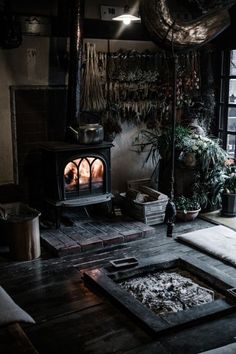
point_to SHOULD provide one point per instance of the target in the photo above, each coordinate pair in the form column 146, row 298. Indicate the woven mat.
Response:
column 219, row 241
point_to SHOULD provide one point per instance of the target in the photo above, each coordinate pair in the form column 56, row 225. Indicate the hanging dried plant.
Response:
column 92, row 92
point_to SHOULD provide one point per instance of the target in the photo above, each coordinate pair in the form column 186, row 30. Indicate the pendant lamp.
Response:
column 126, row 17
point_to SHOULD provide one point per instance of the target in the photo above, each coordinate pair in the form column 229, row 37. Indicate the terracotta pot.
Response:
column 185, row 215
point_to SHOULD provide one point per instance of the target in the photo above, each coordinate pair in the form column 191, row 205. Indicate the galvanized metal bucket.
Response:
column 19, row 225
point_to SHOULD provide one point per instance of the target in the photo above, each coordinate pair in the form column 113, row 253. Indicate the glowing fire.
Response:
column 83, row 171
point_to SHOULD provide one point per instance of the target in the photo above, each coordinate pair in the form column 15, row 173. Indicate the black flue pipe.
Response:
column 73, row 96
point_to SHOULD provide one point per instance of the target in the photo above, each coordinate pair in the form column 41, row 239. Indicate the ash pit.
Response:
column 164, row 292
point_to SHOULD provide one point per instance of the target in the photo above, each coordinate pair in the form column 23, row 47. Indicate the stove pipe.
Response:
column 73, row 98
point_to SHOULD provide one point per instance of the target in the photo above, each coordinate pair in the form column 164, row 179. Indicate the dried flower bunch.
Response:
column 139, row 84
column 188, row 85
column 92, row 95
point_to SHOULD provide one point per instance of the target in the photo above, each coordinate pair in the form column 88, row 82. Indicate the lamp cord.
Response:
column 170, row 207
column 173, row 120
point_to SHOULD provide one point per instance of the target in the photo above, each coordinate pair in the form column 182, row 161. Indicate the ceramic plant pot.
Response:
column 228, row 204
column 186, row 215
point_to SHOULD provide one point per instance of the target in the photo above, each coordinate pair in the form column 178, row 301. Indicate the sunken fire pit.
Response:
column 167, row 294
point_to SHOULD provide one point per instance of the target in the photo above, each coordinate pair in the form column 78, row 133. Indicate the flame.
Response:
column 82, row 171
column 97, row 170
column 71, row 175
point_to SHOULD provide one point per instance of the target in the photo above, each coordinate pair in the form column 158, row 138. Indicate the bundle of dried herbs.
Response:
column 92, row 92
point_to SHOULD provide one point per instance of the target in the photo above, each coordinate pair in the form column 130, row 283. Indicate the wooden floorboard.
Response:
column 71, row 318
column 14, row 340
column 98, row 329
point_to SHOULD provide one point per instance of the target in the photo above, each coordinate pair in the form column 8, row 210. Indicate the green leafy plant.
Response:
column 157, row 143
column 209, row 187
column 209, row 172
column 206, row 152
column 186, row 203
column 181, row 133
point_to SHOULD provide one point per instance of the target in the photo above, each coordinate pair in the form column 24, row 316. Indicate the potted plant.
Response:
column 201, row 154
column 229, row 192
column 208, row 176
column 187, row 208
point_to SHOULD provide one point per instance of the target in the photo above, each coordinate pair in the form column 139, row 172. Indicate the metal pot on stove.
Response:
column 90, row 133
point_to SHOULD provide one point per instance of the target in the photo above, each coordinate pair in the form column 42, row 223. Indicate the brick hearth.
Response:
column 93, row 234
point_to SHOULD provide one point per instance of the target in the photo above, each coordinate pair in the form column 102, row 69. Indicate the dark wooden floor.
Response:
column 73, row 319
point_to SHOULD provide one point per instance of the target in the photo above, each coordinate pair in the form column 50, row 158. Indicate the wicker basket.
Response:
column 151, row 213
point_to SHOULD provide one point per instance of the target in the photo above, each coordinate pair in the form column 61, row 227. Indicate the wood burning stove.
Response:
column 76, row 175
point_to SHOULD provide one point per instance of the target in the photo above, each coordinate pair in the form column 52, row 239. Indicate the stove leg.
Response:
column 58, row 216
column 110, row 208
column 86, row 212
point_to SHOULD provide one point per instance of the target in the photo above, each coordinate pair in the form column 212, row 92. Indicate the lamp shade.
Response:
column 126, row 17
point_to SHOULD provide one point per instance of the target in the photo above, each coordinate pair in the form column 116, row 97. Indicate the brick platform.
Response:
column 93, row 234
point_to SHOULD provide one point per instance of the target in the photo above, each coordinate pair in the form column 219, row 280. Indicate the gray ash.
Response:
column 164, row 292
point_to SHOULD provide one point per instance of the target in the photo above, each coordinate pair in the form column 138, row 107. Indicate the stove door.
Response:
column 84, row 176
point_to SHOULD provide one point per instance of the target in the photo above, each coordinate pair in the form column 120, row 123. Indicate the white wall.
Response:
column 126, row 163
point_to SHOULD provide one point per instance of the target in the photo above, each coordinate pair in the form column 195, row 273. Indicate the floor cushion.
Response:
column 220, row 241
column 10, row 311
column 227, row 349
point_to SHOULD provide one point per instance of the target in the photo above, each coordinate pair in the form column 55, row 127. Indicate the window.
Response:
column 227, row 104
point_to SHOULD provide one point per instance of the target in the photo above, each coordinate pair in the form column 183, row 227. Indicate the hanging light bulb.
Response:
column 126, row 18
column 126, row 21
